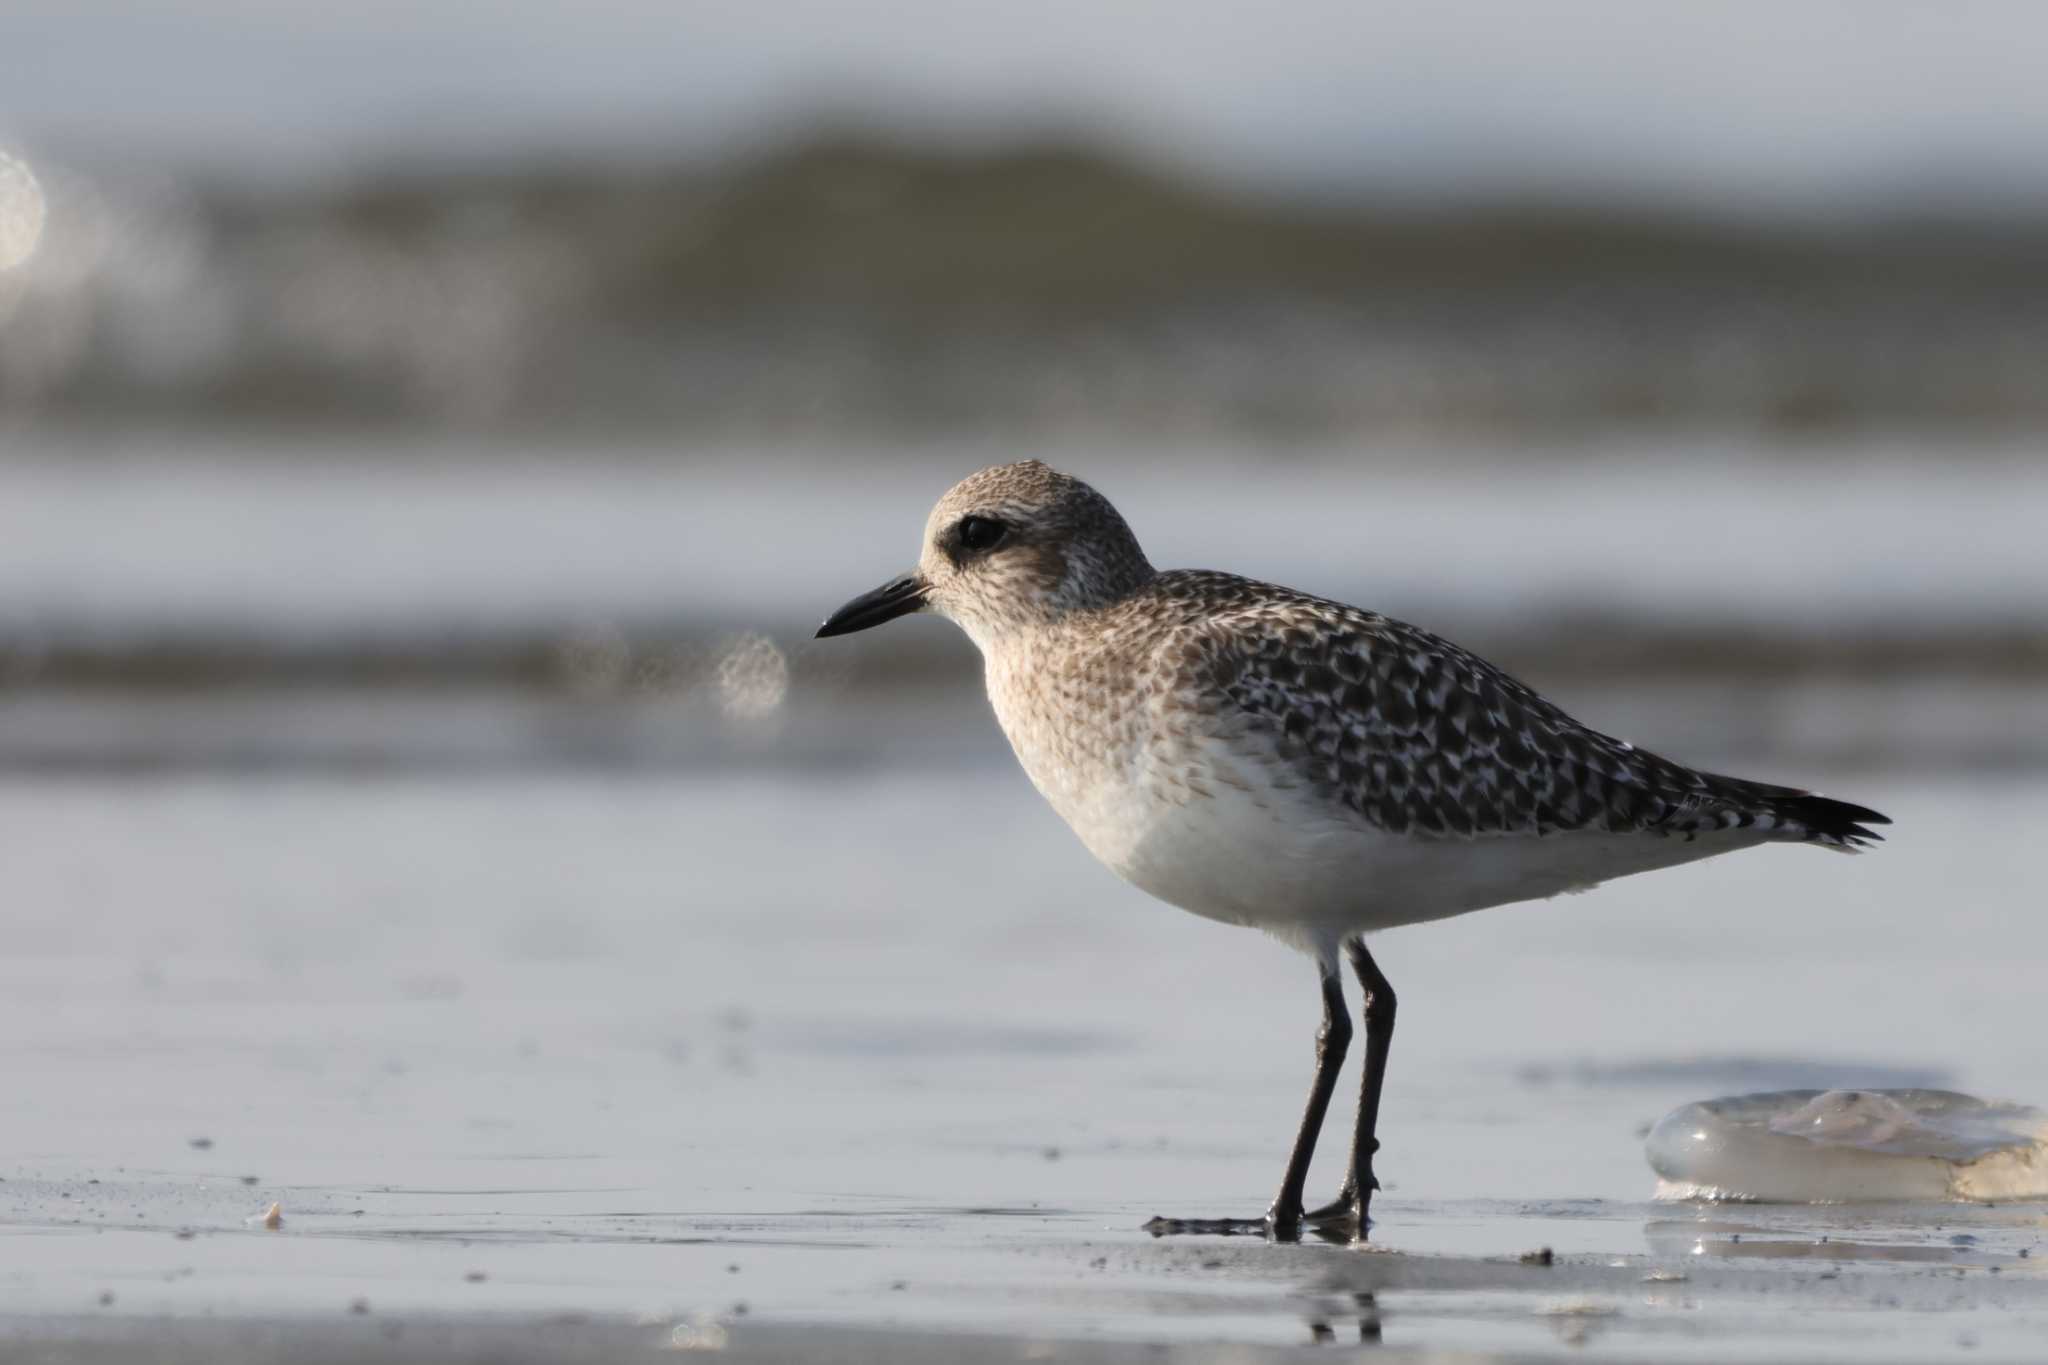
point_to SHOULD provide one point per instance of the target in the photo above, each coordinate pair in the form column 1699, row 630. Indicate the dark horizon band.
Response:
column 898, row 597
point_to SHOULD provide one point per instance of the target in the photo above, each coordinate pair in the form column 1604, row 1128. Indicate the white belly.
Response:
column 1219, row 839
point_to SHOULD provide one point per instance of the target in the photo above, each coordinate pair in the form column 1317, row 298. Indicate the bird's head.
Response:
column 1012, row 547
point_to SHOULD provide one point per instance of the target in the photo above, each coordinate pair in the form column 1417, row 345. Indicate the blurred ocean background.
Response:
column 379, row 389
column 427, row 445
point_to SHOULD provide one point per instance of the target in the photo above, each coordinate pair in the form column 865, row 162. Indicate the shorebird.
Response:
column 1272, row 759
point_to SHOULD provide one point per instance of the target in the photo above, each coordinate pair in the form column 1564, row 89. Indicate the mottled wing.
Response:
column 1421, row 737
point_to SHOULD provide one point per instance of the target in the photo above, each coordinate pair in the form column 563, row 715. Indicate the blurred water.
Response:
column 288, row 539
column 312, row 603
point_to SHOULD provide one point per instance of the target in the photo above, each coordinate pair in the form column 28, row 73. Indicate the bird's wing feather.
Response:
column 1421, row 737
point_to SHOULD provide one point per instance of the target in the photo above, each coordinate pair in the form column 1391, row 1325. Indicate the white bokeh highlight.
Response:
column 23, row 211
column 753, row 678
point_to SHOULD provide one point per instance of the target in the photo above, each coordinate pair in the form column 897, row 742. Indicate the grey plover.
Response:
column 1272, row 759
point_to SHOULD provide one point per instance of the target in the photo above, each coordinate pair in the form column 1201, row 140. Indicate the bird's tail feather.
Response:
column 1808, row 817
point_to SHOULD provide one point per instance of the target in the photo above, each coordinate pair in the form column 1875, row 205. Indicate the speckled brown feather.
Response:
column 1105, row 671
column 1423, row 738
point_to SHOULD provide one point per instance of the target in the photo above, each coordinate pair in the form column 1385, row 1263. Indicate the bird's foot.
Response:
column 1334, row 1222
column 1344, row 1208
column 1346, row 1211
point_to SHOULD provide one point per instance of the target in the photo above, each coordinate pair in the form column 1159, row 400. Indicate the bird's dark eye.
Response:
column 980, row 533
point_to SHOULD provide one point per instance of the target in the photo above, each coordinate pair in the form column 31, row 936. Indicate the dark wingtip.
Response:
column 1830, row 821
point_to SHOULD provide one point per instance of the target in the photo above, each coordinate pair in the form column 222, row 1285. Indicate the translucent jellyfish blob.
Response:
column 1831, row 1146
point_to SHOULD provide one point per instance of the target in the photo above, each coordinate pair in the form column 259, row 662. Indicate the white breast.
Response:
column 1219, row 827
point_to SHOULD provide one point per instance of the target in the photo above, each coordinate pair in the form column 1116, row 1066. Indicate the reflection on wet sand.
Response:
column 1920, row 1233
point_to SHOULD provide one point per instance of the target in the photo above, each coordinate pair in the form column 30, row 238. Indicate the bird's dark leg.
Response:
column 1354, row 1200
column 1379, row 1038
column 1283, row 1220
column 1333, row 1040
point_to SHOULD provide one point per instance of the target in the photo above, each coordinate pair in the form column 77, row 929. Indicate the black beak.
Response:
column 893, row 599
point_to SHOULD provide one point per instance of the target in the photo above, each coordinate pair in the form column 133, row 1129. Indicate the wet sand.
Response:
column 579, row 1067
column 1894, row 1284
column 1874, row 1284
